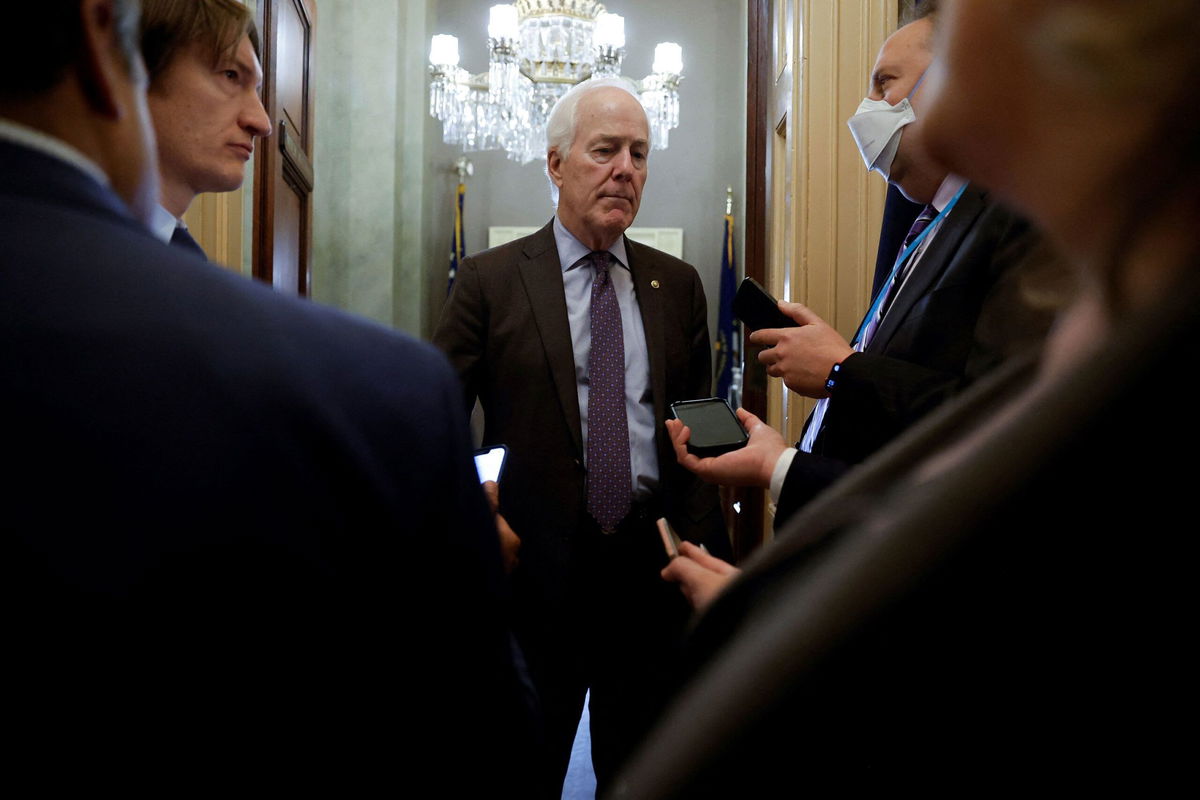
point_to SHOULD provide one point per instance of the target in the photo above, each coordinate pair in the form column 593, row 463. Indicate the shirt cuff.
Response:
column 779, row 474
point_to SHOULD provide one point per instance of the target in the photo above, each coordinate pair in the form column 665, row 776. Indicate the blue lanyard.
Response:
column 908, row 251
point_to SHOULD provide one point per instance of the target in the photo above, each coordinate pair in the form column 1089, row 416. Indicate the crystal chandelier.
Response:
column 537, row 50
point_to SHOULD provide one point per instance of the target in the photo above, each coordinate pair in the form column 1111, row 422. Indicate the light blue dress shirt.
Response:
column 163, row 225
column 639, row 404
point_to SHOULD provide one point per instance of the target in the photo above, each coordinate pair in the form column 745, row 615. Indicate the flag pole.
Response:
column 458, row 247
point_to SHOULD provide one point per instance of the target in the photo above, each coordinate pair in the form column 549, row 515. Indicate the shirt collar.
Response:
column 23, row 135
column 164, row 223
column 571, row 251
column 945, row 193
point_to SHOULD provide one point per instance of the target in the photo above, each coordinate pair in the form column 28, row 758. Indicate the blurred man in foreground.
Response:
column 244, row 532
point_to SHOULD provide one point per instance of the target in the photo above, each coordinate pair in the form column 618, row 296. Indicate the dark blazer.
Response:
column 959, row 316
column 227, row 510
column 998, row 598
column 505, row 330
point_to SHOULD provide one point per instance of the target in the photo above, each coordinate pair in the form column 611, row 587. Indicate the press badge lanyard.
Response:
column 908, row 251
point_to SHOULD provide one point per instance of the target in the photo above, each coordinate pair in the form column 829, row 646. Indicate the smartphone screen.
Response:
column 714, row 427
column 489, row 462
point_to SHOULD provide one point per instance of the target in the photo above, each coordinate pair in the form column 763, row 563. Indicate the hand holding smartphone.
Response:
column 489, row 462
column 715, row 428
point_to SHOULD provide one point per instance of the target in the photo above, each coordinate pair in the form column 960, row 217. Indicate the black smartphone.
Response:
column 489, row 462
column 755, row 306
column 715, row 428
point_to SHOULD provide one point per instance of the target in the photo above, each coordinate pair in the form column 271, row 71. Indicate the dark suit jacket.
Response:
column 505, row 330
column 233, row 520
column 959, row 316
column 999, row 598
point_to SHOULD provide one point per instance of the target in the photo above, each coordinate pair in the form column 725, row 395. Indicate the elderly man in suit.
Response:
column 951, row 310
column 576, row 340
column 225, row 504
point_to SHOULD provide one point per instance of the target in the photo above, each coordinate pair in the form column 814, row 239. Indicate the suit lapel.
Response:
column 933, row 264
column 541, row 274
column 649, row 299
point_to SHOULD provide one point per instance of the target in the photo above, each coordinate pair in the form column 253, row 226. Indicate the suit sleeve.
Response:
column 700, row 370
column 461, row 332
column 479, row 675
column 808, row 476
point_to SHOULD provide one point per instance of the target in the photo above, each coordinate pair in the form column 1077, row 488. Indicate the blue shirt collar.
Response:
column 571, row 251
column 164, row 223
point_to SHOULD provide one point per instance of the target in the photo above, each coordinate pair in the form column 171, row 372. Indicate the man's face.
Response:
column 600, row 182
column 902, row 61
column 207, row 117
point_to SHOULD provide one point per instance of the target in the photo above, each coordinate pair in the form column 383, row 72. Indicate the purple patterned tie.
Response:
column 608, row 472
column 928, row 214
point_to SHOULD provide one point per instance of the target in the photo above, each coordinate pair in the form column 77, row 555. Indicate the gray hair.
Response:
column 560, row 128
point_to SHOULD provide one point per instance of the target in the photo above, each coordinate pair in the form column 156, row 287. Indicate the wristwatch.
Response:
column 832, row 380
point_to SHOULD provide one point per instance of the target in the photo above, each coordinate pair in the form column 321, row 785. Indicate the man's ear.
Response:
column 102, row 70
column 554, row 166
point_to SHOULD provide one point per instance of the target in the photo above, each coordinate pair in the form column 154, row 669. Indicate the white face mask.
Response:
column 876, row 127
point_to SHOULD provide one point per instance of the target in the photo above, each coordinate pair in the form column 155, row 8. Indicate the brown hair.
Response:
column 39, row 40
column 169, row 25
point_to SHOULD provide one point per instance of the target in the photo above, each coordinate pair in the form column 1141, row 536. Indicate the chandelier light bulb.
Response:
column 668, row 58
column 443, row 51
column 610, row 31
column 502, row 22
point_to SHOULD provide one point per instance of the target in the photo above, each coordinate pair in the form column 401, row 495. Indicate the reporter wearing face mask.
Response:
column 952, row 309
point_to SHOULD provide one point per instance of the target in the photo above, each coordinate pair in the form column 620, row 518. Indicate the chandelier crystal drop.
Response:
column 537, row 50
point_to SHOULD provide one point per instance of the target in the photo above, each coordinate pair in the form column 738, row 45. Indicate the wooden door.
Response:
column 284, row 176
column 814, row 212
column 783, row 132
column 772, row 67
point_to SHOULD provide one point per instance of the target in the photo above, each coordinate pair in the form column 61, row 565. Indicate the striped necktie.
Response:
column 928, row 214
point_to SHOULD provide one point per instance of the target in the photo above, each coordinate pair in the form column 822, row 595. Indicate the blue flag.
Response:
column 728, row 338
column 458, row 248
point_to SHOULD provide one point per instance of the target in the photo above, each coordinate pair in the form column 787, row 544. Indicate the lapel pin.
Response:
column 654, row 284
